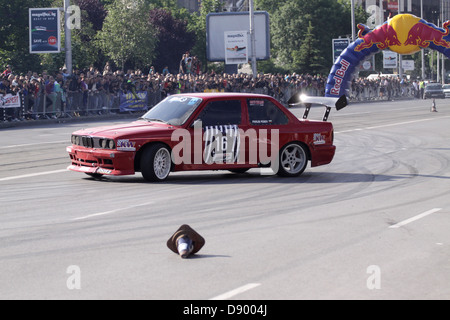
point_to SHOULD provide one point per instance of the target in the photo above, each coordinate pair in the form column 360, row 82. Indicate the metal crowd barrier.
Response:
column 76, row 104
column 380, row 93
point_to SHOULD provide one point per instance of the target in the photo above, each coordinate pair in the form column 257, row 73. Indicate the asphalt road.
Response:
column 371, row 225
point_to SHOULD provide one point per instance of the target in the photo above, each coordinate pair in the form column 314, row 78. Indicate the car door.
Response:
column 269, row 123
column 221, row 123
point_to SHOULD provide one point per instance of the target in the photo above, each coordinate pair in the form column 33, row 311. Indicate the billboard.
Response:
column 219, row 24
column 236, row 45
column 390, row 60
column 339, row 45
column 45, row 31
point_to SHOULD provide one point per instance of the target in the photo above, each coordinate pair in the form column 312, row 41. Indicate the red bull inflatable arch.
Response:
column 404, row 34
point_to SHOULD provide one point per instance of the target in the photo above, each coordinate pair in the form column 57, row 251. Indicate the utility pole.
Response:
column 353, row 19
column 68, row 35
column 252, row 38
column 423, row 50
column 442, row 56
column 401, row 5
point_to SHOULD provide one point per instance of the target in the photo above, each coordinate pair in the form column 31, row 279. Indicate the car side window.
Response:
column 224, row 112
column 265, row 112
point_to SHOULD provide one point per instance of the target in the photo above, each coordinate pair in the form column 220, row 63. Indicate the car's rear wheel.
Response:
column 156, row 163
column 293, row 160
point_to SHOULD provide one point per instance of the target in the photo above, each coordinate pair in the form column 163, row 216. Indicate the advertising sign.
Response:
column 45, row 32
column 339, row 45
column 133, row 102
column 217, row 24
column 389, row 60
column 408, row 65
column 236, row 47
column 10, row 101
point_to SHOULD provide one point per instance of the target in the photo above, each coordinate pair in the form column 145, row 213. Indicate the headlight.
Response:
column 77, row 140
column 111, row 144
column 103, row 143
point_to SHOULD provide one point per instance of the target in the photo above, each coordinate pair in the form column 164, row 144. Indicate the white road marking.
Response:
column 389, row 125
column 232, row 293
column 33, row 175
column 419, row 216
column 111, row 211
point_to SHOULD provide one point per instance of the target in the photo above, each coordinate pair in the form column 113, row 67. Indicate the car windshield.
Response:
column 174, row 110
column 446, row 86
column 434, row 86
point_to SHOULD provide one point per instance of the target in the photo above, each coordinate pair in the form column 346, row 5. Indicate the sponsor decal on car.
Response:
column 221, row 144
column 318, row 139
column 126, row 145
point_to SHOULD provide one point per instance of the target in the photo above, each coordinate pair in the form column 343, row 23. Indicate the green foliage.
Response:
column 197, row 24
column 301, row 33
column 127, row 34
column 308, row 58
column 289, row 24
column 14, row 34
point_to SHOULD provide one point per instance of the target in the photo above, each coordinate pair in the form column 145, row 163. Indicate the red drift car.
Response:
column 208, row 131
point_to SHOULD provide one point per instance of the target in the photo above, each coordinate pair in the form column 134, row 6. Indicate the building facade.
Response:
column 435, row 11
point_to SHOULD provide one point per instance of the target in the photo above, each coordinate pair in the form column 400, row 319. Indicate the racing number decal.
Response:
column 221, row 144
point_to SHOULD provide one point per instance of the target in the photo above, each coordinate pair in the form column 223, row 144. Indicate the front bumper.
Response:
column 98, row 161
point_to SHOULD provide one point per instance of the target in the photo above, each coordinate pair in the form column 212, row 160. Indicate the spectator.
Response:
column 95, row 91
column 7, row 71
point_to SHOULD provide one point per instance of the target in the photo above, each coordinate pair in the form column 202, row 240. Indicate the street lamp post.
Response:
column 422, row 51
column 68, row 37
column 353, row 19
column 252, row 38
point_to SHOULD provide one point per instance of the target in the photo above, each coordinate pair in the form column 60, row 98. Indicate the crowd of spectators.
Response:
column 47, row 95
column 61, row 94
column 385, row 88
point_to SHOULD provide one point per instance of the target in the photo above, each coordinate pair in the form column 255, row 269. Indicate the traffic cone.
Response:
column 433, row 106
column 185, row 241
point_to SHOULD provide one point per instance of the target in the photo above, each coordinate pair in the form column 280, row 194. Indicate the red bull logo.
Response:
column 383, row 37
column 422, row 34
column 339, row 77
column 404, row 34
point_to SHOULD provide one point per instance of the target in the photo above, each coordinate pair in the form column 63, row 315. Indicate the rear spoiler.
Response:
column 328, row 102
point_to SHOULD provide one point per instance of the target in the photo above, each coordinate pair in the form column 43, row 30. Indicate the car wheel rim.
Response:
column 161, row 164
column 293, row 159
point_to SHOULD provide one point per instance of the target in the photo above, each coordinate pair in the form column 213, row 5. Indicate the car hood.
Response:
column 133, row 129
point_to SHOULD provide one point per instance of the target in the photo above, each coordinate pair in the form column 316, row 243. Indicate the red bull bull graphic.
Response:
column 403, row 34
column 383, row 37
column 423, row 34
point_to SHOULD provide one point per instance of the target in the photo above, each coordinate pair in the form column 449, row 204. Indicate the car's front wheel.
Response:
column 156, row 162
column 293, row 160
column 94, row 175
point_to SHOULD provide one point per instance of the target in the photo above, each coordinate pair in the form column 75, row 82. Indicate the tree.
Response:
column 291, row 18
column 127, row 34
column 173, row 39
column 198, row 26
column 95, row 10
column 308, row 58
column 14, row 38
